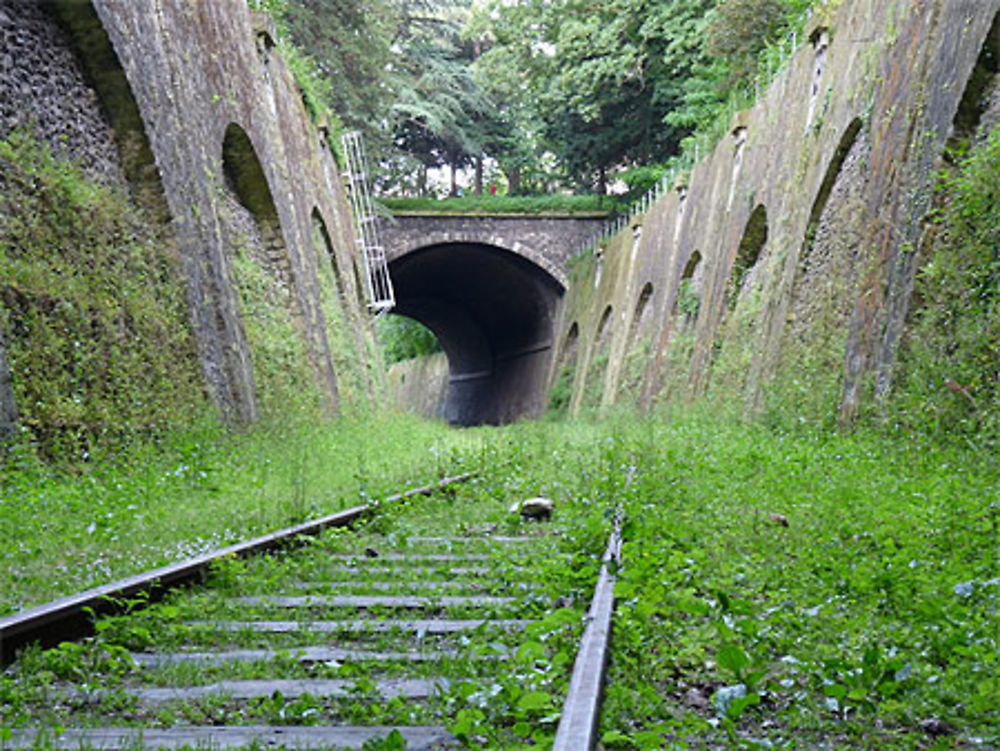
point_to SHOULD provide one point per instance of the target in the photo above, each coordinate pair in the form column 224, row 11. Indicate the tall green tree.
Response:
column 349, row 44
column 438, row 104
column 603, row 75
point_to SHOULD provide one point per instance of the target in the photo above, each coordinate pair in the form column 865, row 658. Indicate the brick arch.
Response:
column 246, row 180
column 105, row 75
column 245, row 174
column 496, row 240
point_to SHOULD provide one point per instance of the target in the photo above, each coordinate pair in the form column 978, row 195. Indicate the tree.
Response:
column 602, row 76
column 349, row 43
column 437, row 105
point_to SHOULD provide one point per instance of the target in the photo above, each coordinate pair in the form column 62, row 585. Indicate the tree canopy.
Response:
column 557, row 94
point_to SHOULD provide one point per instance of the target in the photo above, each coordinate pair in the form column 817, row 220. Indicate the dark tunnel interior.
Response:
column 493, row 312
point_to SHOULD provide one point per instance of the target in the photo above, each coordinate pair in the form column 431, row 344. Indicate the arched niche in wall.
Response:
column 104, row 72
column 603, row 328
column 811, row 358
column 688, row 298
column 286, row 365
column 561, row 392
column 600, row 358
column 748, row 253
column 637, row 349
column 345, row 334
column 246, row 180
column 641, row 313
column 980, row 92
column 833, row 170
column 326, row 256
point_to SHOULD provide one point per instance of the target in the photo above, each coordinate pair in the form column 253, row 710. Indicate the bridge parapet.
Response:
column 547, row 241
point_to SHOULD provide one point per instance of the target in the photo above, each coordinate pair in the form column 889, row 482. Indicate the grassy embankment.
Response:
column 62, row 531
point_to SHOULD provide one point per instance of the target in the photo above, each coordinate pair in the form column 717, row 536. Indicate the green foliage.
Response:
column 285, row 377
column 552, row 204
column 951, row 376
column 688, row 299
column 403, row 338
column 735, row 630
column 317, row 92
column 561, row 393
column 741, row 29
column 397, row 71
column 599, row 77
column 490, row 701
column 597, row 372
column 634, row 370
column 195, row 490
column 337, row 54
column 437, row 106
column 93, row 309
column 641, row 179
column 599, row 86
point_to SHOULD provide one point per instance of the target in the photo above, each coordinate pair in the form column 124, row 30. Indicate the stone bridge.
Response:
column 490, row 288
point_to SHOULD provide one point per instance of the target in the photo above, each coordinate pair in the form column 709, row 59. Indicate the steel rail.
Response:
column 577, row 729
column 71, row 617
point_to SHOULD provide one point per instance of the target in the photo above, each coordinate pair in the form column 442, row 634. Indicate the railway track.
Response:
column 443, row 623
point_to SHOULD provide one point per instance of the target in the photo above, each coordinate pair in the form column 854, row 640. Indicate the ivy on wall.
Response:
column 92, row 306
column 285, row 379
column 951, row 367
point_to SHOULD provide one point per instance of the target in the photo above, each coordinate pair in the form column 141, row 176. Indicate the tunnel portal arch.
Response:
column 494, row 312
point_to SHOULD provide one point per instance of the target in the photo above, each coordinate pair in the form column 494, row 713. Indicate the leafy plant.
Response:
column 688, row 299
column 950, row 374
column 404, row 338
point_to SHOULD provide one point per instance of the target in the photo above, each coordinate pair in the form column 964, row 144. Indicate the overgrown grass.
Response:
column 779, row 588
column 161, row 502
column 557, row 204
column 503, row 685
column 867, row 622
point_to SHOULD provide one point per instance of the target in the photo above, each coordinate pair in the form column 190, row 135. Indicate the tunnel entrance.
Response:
column 494, row 314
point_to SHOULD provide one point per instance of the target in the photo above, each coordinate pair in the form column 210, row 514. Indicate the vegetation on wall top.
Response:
column 529, row 205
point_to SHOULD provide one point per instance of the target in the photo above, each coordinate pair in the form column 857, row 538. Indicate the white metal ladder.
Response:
column 381, row 298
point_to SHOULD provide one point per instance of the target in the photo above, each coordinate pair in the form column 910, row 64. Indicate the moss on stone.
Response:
column 93, row 308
